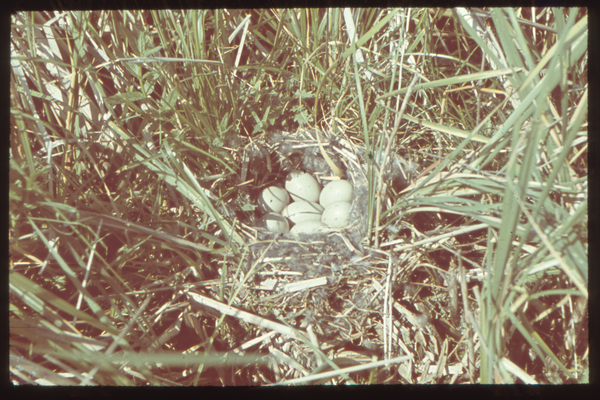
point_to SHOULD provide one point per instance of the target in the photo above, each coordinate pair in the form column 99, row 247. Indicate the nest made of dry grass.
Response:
column 353, row 300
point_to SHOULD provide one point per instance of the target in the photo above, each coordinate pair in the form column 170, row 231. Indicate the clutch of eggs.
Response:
column 332, row 209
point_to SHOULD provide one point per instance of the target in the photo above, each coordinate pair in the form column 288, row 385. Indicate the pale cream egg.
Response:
column 336, row 191
column 273, row 199
column 311, row 226
column 337, row 215
column 276, row 223
column 302, row 186
column 300, row 211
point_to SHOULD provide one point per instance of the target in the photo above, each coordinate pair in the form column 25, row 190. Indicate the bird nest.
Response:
column 332, row 287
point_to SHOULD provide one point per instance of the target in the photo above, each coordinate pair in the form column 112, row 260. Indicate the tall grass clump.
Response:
column 140, row 140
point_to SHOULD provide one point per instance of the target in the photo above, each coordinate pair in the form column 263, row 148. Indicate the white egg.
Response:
column 300, row 211
column 273, row 199
column 302, row 186
column 312, row 226
column 336, row 191
column 276, row 223
column 337, row 215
